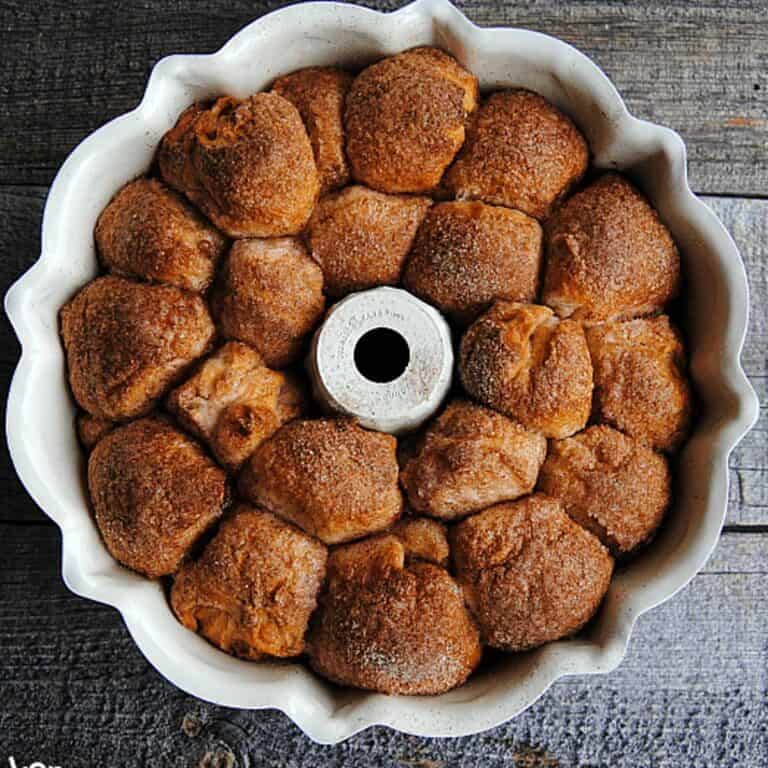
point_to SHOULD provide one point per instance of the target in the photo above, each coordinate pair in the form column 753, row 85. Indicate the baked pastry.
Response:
column 234, row 402
column 248, row 165
column 331, row 477
column 608, row 255
column 361, row 237
column 521, row 152
column 388, row 626
column 610, row 484
column 127, row 343
column 471, row 457
column 522, row 361
column 91, row 429
column 149, row 231
column 468, row 254
column 423, row 539
column 270, row 295
column 640, row 382
column 154, row 494
column 319, row 93
column 254, row 587
column 405, row 118
column 529, row 573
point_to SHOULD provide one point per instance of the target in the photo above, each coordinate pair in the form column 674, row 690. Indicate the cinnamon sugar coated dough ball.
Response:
column 154, row 493
column 127, row 343
column 423, row 539
column 330, row 477
column 471, row 457
column 608, row 255
column 361, row 237
column 269, row 295
column 91, row 429
column 609, row 484
column 468, row 254
column 529, row 573
column 640, row 382
column 318, row 93
column 392, row 627
column 521, row 152
column 149, row 231
column 253, row 589
column 405, row 118
column 248, row 165
column 234, row 402
column 520, row 360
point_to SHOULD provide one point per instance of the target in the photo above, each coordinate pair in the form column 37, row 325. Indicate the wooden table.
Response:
column 693, row 689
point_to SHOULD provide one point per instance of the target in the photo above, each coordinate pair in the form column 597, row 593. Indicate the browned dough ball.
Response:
column 127, row 343
column 331, row 477
column 253, row 589
column 640, row 382
column 234, row 402
column 521, row 152
column 608, row 255
column 319, row 93
column 269, row 294
column 471, row 457
column 423, row 539
column 392, row 627
column 610, row 484
column 405, row 118
column 248, row 165
column 529, row 573
column 91, row 429
column 467, row 254
column 149, row 231
column 154, row 493
column 520, row 360
column 361, row 237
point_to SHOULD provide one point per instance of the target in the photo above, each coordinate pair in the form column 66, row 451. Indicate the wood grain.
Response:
column 699, row 67
column 691, row 691
column 20, row 210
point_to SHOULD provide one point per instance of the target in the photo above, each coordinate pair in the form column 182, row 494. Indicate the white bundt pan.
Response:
column 40, row 411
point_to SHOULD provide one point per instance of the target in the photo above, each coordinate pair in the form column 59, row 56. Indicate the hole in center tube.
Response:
column 382, row 355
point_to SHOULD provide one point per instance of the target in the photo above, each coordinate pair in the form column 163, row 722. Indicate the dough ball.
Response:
column 91, row 429
column 423, row 539
column 331, row 477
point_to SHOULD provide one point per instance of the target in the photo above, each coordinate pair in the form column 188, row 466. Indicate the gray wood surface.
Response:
column 693, row 690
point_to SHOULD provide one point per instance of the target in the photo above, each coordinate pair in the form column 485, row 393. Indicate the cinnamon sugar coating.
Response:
column 91, row 429
column 405, row 118
column 149, row 231
column 248, row 165
column 234, row 402
column 154, row 493
column 608, row 255
column 520, row 360
column 521, row 152
column 471, row 457
column 610, row 484
column 423, row 539
column 529, row 573
column 127, row 343
column 253, row 589
column 330, row 477
column 640, row 382
column 269, row 294
column 319, row 94
column 392, row 627
column 361, row 237
column 467, row 254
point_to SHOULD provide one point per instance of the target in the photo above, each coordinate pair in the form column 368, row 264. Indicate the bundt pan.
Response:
column 40, row 412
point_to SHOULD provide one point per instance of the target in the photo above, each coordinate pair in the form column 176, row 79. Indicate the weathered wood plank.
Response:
column 21, row 207
column 691, row 692
column 699, row 67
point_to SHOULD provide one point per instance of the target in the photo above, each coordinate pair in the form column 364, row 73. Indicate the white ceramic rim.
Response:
column 327, row 714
